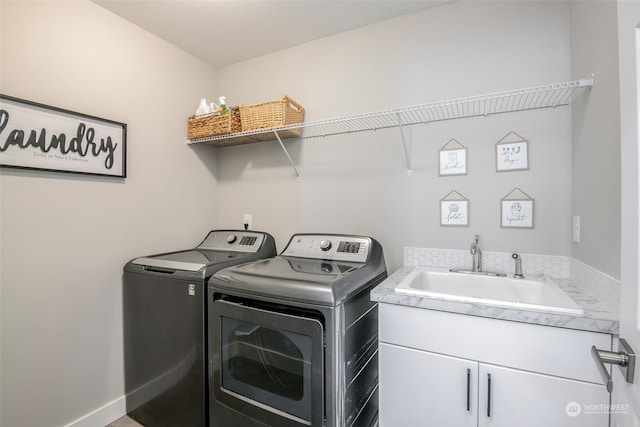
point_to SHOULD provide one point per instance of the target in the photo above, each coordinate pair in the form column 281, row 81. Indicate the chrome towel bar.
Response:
column 625, row 358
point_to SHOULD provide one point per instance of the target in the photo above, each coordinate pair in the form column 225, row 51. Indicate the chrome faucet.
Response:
column 518, row 260
column 476, row 253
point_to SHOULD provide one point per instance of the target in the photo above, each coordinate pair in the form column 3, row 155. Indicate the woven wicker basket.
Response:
column 214, row 124
column 271, row 114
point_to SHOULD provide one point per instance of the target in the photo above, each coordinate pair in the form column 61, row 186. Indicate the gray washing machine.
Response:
column 165, row 329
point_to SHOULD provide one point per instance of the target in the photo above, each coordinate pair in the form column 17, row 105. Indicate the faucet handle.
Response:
column 476, row 238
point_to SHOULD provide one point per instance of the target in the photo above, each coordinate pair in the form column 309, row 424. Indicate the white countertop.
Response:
column 599, row 316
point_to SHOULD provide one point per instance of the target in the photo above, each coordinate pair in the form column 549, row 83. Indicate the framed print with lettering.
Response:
column 454, row 210
column 452, row 161
column 41, row 137
column 516, row 212
column 512, row 155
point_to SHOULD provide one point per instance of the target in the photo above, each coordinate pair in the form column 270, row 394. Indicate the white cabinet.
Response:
column 418, row 388
column 512, row 397
column 444, row 369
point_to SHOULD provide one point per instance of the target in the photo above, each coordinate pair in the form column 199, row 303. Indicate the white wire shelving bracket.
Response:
column 546, row 96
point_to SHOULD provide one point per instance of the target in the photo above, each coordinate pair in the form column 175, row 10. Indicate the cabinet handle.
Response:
column 488, row 395
column 468, row 389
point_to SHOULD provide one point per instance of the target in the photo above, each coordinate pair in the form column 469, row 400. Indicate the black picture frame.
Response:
column 41, row 137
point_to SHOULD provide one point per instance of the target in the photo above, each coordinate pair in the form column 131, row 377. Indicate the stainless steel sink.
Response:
column 528, row 294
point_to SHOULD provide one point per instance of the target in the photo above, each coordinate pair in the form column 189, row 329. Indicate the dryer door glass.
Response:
column 272, row 360
column 268, row 365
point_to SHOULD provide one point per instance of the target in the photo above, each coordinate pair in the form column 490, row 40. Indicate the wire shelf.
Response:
column 531, row 98
column 547, row 96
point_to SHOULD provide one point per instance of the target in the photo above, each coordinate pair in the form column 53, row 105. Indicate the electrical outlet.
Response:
column 247, row 220
column 576, row 229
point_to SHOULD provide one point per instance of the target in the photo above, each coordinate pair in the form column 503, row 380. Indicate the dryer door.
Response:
column 267, row 364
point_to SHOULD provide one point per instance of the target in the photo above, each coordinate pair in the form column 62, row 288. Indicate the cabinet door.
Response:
column 421, row 389
column 509, row 397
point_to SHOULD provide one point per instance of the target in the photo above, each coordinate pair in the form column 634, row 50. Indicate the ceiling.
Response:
column 224, row 32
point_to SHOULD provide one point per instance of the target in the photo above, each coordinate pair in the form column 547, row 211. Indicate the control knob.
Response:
column 325, row 245
column 231, row 238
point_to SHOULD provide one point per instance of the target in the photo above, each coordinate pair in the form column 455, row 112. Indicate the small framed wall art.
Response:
column 452, row 159
column 516, row 212
column 454, row 210
column 512, row 153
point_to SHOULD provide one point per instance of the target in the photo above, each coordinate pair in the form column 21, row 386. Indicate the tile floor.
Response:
column 124, row 422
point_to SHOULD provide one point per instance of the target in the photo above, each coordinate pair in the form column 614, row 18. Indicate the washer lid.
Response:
column 220, row 246
column 192, row 260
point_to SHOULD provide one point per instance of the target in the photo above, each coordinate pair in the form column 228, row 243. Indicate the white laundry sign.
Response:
column 37, row 136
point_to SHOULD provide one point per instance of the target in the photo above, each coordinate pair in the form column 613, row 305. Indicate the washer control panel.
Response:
column 331, row 247
column 232, row 240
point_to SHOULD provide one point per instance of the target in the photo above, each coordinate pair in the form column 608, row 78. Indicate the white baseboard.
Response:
column 102, row 416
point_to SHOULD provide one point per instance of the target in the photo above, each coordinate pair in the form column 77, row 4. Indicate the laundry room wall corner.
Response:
column 65, row 238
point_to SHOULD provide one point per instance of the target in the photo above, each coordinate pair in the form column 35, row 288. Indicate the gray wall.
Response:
column 65, row 238
column 358, row 183
column 596, row 136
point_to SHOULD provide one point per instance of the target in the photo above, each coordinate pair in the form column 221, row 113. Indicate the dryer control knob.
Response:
column 231, row 238
column 325, row 245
